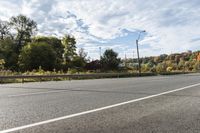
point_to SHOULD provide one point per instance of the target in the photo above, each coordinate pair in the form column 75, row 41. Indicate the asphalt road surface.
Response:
column 159, row 104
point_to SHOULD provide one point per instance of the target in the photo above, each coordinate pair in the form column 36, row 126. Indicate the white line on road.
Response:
column 37, row 93
column 95, row 110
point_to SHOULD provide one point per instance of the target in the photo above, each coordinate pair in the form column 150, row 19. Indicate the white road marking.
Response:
column 95, row 110
column 36, row 93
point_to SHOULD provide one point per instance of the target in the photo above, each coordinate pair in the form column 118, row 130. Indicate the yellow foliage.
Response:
column 2, row 62
column 169, row 69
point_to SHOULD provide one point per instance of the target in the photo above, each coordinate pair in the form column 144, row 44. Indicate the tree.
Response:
column 36, row 55
column 144, row 60
column 172, row 64
column 4, row 29
column 25, row 28
column 163, row 57
column 187, row 65
column 198, row 56
column 2, row 62
column 147, row 67
column 161, row 67
column 196, row 66
column 177, row 58
column 109, row 60
column 8, row 53
column 69, row 44
column 78, row 63
column 56, row 44
column 157, row 60
column 181, row 65
column 82, row 54
column 80, row 60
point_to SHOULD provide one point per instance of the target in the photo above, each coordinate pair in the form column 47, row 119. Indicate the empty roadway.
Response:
column 29, row 103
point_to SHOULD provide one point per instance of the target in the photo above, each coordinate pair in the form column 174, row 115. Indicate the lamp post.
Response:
column 138, row 54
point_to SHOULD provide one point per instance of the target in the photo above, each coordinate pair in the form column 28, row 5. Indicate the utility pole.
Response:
column 138, row 57
column 138, row 54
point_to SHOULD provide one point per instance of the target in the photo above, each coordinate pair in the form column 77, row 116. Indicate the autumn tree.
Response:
column 196, row 66
column 161, row 67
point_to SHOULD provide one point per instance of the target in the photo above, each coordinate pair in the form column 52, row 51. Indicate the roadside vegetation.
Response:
column 24, row 53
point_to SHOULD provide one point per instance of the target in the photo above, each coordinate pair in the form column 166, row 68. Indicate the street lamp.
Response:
column 138, row 55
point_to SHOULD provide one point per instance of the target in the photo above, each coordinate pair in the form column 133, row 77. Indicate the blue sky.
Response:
column 171, row 25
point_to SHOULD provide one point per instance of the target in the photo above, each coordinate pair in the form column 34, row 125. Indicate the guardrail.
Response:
column 79, row 76
column 65, row 76
column 73, row 76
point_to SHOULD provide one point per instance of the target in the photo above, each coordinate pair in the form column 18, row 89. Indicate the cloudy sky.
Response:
column 170, row 25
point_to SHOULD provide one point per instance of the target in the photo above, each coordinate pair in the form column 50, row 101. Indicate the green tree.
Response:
column 8, row 53
column 110, row 60
column 25, row 27
column 4, row 29
column 56, row 44
column 36, row 55
column 69, row 44
column 78, row 63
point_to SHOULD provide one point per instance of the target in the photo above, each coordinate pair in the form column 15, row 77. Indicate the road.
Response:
column 120, row 105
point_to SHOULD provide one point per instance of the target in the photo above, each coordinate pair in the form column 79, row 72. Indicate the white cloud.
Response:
column 171, row 25
column 8, row 9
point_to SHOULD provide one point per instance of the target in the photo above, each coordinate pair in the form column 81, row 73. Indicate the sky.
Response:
column 171, row 25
